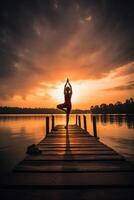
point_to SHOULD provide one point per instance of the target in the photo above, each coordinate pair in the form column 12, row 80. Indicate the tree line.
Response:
column 118, row 107
column 19, row 110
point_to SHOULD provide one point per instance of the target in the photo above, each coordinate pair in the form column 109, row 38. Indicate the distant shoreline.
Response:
column 18, row 110
column 103, row 109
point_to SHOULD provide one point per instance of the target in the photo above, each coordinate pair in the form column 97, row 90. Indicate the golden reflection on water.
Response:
column 117, row 131
column 34, row 125
column 118, row 136
column 28, row 127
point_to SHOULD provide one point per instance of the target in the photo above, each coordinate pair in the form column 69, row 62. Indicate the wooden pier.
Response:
column 73, row 164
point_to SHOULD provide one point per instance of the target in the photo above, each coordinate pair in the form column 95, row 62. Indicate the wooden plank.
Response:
column 71, row 138
column 76, row 179
column 75, row 142
column 75, row 157
column 79, row 193
column 97, row 167
column 72, row 141
column 76, row 163
column 37, row 166
column 74, row 148
column 72, row 144
column 69, row 152
column 72, row 132
column 79, row 136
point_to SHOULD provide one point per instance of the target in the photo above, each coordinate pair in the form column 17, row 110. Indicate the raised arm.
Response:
column 65, row 86
column 70, row 86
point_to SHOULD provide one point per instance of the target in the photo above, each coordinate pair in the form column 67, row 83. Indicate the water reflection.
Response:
column 116, row 119
column 117, row 132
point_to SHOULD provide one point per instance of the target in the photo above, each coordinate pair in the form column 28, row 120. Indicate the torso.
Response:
column 68, row 99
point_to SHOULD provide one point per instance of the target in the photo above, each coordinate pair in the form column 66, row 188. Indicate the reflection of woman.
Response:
column 66, row 106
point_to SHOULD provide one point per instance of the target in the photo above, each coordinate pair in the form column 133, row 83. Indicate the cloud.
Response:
column 125, row 70
column 46, row 42
column 128, row 86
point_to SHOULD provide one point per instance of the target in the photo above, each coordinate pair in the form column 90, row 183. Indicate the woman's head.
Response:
column 68, row 89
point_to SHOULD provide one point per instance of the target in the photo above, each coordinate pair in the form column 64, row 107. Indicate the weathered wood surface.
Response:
column 73, row 159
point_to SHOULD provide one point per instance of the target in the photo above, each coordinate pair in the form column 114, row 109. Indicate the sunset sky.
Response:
column 42, row 42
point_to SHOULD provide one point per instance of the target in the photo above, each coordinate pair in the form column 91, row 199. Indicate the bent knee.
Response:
column 58, row 106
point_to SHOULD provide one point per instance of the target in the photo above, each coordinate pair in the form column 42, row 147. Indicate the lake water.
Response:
column 19, row 131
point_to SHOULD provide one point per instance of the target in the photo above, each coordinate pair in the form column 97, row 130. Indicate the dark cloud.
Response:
column 128, row 86
column 49, row 40
column 125, row 70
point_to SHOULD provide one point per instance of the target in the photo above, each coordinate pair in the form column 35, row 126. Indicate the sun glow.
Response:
column 84, row 92
column 58, row 92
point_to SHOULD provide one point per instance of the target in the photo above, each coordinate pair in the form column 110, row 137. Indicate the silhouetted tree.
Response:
column 118, row 107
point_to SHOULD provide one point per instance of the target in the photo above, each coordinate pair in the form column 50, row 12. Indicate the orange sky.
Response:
column 113, row 87
column 73, row 40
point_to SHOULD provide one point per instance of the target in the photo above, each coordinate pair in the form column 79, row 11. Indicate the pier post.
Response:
column 79, row 118
column 94, row 127
column 47, row 125
column 76, row 119
column 85, row 123
column 52, row 122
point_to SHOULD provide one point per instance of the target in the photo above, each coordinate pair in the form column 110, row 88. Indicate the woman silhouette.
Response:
column 66, row 106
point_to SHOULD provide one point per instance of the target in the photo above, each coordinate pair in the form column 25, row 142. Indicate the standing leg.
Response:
column 67, row 116
column 67, row 119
